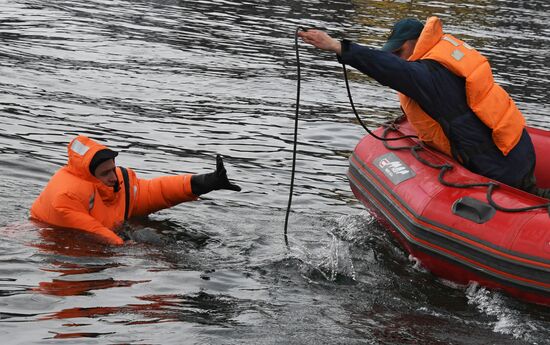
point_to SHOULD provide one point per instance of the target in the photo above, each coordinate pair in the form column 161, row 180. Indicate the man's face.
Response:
column 105, row 172
column 406, row 50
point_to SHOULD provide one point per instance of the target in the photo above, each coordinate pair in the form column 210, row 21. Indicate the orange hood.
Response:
column 80, row 151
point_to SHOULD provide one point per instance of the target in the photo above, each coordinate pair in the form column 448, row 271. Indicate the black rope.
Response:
column 295, row 134
column 392, row 126
column 359, row 118
column 504, row 209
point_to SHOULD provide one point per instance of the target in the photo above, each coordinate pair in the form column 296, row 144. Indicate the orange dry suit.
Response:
column 75, row 199
column 490, row 102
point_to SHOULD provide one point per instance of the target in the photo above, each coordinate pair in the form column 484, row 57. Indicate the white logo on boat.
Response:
column 394, row 168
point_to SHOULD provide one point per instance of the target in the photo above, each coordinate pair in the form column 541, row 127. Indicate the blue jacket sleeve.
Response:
column 410, row 78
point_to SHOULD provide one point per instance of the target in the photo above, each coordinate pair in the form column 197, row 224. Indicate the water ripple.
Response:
column 172, row 83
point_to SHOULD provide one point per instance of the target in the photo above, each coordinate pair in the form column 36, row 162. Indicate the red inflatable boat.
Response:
column 459, row 233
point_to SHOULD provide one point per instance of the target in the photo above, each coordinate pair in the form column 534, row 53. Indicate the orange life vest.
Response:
column 76, row 199
column 490, row 102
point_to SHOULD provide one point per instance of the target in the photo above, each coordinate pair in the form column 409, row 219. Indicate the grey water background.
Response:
column 169, row 84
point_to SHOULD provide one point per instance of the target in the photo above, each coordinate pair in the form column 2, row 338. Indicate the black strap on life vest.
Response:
column 126, row 191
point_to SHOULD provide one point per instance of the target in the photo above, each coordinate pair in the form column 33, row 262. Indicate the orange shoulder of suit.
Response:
column 75, row 199
column 490, row 102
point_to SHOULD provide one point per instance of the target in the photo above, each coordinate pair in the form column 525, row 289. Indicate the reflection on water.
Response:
column 172, row 83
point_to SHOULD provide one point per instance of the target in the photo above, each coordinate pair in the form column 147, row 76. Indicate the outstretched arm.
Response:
column 410, row 78
column 321, row 40
column 163, row 192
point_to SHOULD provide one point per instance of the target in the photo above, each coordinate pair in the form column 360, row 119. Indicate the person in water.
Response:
column 92, row 194
column 447, row 92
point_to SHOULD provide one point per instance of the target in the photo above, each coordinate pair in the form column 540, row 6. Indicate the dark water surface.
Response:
column 171, row 83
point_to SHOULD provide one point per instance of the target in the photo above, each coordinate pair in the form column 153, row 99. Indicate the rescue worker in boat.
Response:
column 92, row 194
column 446, row 90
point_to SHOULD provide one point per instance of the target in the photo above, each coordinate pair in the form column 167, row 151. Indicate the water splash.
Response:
column 332, row 260
column 507, row 321
column 351, row 228
column 339, row 259
column 417, row 264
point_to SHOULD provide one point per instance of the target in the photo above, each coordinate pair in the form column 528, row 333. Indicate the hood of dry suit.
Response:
column 81, row 150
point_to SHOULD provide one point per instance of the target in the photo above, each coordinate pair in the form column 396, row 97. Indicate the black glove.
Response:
column 204, row 183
